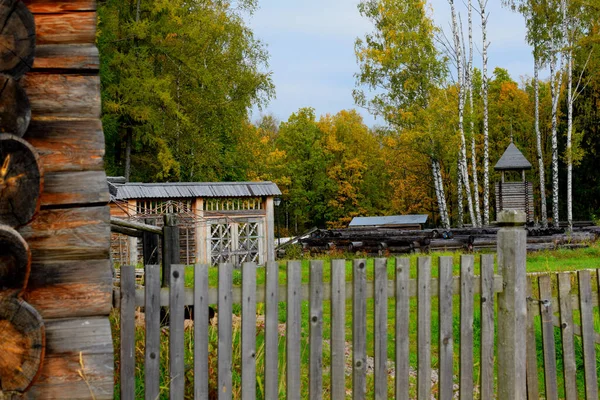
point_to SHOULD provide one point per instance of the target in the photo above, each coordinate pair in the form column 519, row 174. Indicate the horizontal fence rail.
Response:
column 552, row 301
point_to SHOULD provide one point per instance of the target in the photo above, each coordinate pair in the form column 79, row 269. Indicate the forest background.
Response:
column 180, row 77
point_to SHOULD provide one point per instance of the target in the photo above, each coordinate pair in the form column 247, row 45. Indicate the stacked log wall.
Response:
column 71, row 277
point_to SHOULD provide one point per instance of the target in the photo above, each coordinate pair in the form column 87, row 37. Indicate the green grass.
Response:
column 547, row 261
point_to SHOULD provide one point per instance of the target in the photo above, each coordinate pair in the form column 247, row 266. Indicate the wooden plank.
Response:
column 70, row 57
column 74, row 189
column 380, row 329
column 466, row 326
column 293, row 332
column 487, row 326
column 127, row 332
column 63, row 95
column 225, row 331
column 359, row 329
column 549, row 345
column 61, row 289
column 568, row 346
column 531, row 357
column 68, row 145
column 74, row 345
column 59, row 6
column 446, row 336
column 271, row 331
column 176, row 344
column 424, row 328
column 338, row 329
column 402, row 321
column 315, row 372
column 201, row 331
column 65, row 28
column 69, row 234
column 248, row 357
column 152, row 324
column 587, row 327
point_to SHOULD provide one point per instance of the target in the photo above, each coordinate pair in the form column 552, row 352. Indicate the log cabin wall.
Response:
column 71, row 277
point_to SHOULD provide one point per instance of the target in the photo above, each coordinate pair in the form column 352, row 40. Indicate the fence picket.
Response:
column 152, row 342
column 446, row 336
column 531, row 356
column 315, row 373
column 587, row 333
column 402, row 320
column 271, row 331
column 338, row 329
column 292, row 334
column 127, row 332
column 380, row 328
column 424, row 328
column 176, row 320
column 224, row 377
column 466, row 326
column 548, row 337
column 487, row 326
column 359, row 330
column 249, row 331
column 200, row 332
column 568, row 347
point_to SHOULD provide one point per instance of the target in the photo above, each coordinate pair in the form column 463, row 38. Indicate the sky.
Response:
column 311, row 48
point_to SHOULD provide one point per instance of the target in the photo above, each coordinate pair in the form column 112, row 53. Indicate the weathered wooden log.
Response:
column 74, row 188
column 21, row 181
column 67, row 289
column 66, row 28
column 68, row 145
column 66, row 57
column 22, row 345
column 17, row 38
column 69, row 234
column 76, row 347
column 59, row 6
column 15, row 109
column 63, row 95
column 15, row 262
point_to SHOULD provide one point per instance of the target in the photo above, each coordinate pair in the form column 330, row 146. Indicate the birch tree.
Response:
column 484, row 95
column 399, row 66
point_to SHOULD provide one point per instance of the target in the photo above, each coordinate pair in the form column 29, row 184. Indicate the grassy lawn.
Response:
column 547, row 261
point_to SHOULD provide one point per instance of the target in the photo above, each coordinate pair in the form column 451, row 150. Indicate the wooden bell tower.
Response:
column 514, row 194
column 55, row 272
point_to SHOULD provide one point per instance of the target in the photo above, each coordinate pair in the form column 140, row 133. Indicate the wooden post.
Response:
column 512, row 306
column 170, row 245
column 150, row 245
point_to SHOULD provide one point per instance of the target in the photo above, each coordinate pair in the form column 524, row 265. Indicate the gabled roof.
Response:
column 512, row 159
column 390, row 220
column 124, row 191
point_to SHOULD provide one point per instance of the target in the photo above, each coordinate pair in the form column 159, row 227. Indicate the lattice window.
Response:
column 235, row 241
column 249, row 241
column 233, row 204
column 160, row 207
column 221, row 242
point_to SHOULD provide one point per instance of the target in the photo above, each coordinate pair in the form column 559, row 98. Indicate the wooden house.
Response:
column 218, row 221
column 55, row 271
column 514, row 192
column 406, row 222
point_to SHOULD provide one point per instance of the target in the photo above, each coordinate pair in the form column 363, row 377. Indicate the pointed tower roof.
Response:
column 512, row 159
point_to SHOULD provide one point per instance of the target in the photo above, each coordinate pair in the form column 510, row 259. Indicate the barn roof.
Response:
column 512, row 159
column 124, row 191
column 390, row 220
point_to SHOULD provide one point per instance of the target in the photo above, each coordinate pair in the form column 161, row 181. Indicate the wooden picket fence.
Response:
column 508, row 364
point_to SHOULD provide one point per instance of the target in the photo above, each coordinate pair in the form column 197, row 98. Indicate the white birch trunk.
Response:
column 569, row 61
column 460, row 200
column 484, row 95
column 555, row 84
column 439, row 193
column 461, row 105
column 538, row 137
column 477, row 221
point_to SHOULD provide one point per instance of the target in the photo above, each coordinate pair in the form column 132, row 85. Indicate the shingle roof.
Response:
column 512, row 159
column 194, row 189
column 390, row 220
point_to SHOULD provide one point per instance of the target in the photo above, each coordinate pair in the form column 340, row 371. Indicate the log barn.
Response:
column 55, row 271
column 218, row 221
column 516, row 193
